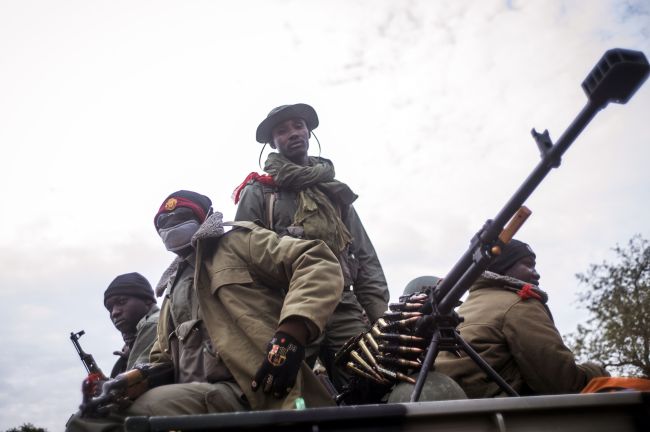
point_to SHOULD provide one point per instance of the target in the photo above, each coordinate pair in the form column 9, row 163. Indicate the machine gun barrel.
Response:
column 615, row 78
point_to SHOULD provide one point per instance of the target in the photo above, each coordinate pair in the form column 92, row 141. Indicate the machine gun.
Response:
column 87, row 359
column 615, row 78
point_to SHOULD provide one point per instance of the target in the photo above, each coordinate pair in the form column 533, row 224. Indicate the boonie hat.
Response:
column 282, row 113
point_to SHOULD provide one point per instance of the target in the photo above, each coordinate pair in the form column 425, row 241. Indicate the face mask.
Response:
column 179, row 236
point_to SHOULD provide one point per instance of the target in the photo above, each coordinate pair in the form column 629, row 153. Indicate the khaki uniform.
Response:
column 365, row 289
column 518, row 339
column 250, row 281
column 247, row 281
column 168, row 400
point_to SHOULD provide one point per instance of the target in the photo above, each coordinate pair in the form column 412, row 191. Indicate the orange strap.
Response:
column 612, row 384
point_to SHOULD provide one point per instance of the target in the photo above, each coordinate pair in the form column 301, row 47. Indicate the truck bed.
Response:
column 611, row 412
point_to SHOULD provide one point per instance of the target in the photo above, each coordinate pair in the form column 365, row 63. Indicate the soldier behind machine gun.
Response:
column 386, row 359
column 507, row 321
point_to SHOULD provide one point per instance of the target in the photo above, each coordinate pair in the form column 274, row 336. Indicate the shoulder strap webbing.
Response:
column 270, row 196
column 242, row 224
column 269, row 202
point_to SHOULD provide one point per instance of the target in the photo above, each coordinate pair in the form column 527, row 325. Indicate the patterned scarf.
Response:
column 319, row 196
column 522, row 289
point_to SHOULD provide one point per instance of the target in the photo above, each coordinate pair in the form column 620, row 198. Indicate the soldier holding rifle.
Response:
column 132, row 306
column 251, row 302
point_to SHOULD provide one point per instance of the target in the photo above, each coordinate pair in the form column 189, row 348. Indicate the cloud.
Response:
column 425, row 107
column 35, row 312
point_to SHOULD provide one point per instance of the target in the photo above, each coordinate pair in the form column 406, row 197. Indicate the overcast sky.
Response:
column 425, row 108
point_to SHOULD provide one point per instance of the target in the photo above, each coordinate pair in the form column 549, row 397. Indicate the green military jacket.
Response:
column 145, row 338
column 248, row 281
column 365, row 273
column 517, row 337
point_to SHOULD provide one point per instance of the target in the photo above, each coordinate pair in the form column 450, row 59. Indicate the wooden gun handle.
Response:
column 514, row 224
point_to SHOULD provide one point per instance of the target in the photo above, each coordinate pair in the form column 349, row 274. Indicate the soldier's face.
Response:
column 524, row 270
column 291, row 139
column 126, row 312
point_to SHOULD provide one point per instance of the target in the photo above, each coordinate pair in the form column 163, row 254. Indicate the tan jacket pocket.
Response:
column 229, row 276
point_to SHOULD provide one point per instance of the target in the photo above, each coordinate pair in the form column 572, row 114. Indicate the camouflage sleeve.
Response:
column 251, row 204
column 546, row 364
column 144, row 342
column 370, row 285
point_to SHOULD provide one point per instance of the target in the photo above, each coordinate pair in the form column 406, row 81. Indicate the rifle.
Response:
column 125, row 387
column 615, row 78
column 87, row 359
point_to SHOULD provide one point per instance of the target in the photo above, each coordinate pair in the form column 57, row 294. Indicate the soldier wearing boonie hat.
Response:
column 300, row 197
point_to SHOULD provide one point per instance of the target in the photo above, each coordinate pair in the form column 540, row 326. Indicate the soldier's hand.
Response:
column 91, row 386
column 277, row 374
column 100, row 405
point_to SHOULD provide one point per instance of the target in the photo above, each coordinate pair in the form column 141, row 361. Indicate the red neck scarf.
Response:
column 264, row 179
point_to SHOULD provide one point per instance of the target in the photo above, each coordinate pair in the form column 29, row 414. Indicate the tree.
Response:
column 617, row 333
column 27, row 427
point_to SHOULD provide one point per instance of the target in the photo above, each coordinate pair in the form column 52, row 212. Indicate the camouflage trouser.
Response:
column 169, row 400
column 347, row 321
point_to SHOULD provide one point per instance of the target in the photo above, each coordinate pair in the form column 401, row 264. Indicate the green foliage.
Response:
column 27, row 427
column 617, row 333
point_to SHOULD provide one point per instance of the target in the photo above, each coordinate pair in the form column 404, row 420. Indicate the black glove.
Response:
column 425, row 325
column 91, row 386
column 278, row 372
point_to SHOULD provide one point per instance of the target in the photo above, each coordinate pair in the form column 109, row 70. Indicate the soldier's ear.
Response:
column 272, row 145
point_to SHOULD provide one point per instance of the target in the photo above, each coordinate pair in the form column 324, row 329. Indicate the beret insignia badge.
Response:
column 171, row 204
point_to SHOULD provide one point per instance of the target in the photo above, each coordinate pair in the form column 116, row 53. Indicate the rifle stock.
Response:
column 615, row 78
